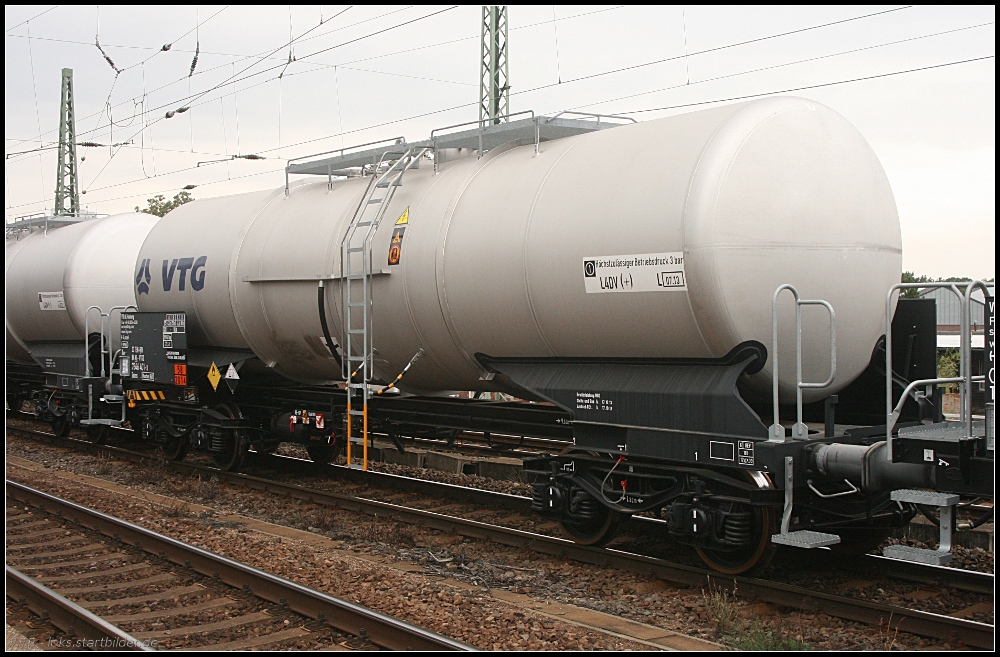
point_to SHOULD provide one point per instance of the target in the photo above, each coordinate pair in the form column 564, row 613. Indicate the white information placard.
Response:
column 51, row 301
column 648, row 272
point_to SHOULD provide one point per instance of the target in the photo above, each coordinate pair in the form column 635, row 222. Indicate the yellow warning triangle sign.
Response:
column 404, row 218
column 214, row 376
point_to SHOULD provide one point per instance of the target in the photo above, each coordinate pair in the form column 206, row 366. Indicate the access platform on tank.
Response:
column 534, row 129
column 948, row 432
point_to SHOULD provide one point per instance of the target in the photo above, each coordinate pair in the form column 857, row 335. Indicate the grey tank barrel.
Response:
column 866, row 466
column 660, row 239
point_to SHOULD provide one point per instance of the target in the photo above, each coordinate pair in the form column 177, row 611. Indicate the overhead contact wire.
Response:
column 636, row 111
column 783, row 65
column 810, row 86
column 814, row 27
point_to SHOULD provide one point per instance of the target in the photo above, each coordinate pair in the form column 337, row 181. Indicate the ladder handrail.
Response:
column 482, row 125
column 591, row 115
column 86, row 339
column 345, row 266
column 898, row 410
column 776, row 431
column 482, row 122
column 967, row 342
column 86, row 331
column 373, row 186
column 86, row 350
column 399, row 141
column 889, row 422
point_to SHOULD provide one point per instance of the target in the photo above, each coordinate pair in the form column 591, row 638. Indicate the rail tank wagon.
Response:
column 61, row 285
column 629, row 284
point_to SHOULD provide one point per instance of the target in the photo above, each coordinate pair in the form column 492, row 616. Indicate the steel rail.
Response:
column 68, row 616
column 382, row 630
column 914, row 621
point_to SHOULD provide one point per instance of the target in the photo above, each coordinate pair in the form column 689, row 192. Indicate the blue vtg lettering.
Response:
column 190, row 270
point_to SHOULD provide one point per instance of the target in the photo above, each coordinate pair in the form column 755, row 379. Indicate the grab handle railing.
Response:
column 799, row 431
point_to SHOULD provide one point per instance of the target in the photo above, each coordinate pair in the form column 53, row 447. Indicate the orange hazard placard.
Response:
column 396, row 245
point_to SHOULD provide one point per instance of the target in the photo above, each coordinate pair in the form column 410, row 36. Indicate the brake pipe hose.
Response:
column 403, row 373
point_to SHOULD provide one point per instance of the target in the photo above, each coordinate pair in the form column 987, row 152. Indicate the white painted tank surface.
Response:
column 723, row 204
column 100, row 270
column 15, row 349
column 53, row 278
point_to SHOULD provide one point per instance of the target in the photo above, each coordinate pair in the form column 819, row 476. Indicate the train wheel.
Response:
column 97, row 433
column 14, row 399
column 598, row 531
column 756, row 555
column 176, row 448
column 60, row 425
column 322, row 454
column 235, row 452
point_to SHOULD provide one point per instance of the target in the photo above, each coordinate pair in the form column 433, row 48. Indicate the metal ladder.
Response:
column 356, row 289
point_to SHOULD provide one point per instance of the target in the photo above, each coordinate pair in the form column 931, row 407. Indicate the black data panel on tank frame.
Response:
column 154, row 348
column 676, row 409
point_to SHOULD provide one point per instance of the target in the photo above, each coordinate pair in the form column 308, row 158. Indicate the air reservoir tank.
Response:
column 661, row 239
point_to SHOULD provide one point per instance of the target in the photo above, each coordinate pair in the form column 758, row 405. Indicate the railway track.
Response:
column 75, row 620
column 967, row 580
column 55, row 542
column 909, row 620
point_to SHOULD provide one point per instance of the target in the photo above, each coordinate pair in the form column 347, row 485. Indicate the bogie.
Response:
column 229, row 446
column 728, row 515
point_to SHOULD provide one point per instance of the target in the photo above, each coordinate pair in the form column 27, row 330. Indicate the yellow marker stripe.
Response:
column 145, row 395
column 162, row 396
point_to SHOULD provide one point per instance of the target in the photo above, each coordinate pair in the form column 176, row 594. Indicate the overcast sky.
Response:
column 372, row 72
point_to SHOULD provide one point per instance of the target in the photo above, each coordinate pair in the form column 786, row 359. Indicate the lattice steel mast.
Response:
column 494, row 89
column 67, row 187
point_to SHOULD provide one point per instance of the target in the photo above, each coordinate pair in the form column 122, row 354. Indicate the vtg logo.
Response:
column 142, row 277
column 196, row 267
